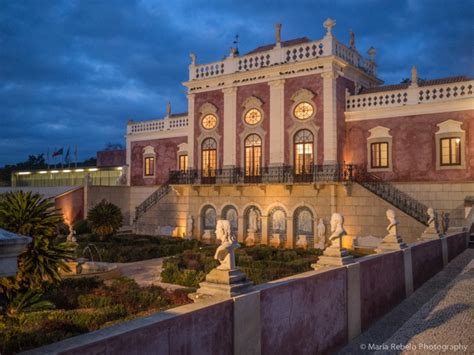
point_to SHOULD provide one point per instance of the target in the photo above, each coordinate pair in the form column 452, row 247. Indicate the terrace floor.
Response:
column 436, row 318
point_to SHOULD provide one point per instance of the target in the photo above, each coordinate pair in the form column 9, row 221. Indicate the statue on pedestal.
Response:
column 392, row 241
column 432, row 232
column 225, row 253
column 253, row 221
column 321, row 233
column 71, row 237
column 335, row 255
column 189, row 227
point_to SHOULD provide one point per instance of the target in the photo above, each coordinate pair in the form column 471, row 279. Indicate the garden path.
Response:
column 146, row 272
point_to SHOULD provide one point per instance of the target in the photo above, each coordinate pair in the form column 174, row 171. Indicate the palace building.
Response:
column 278, row 139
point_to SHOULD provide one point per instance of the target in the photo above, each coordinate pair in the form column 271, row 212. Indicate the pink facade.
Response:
column 71, row 204
column 414, row 146
column 166, row 159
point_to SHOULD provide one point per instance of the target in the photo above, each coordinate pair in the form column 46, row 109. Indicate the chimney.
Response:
column 278, row 34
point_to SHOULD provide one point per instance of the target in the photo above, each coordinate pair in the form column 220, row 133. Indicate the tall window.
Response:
column 379, row 155
column 149, row 166
column 253, row 155
column 303, row 150
column 183, row 162
column 450, row 151
column 209, row 157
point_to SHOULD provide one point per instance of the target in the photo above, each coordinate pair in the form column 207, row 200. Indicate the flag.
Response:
column 58, row 152
column 67, row 159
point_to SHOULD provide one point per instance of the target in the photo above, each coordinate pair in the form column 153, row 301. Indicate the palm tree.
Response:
column 31, row 215
column 105, row 218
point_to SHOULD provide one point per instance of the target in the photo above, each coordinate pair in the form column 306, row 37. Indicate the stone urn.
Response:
column 11, row 246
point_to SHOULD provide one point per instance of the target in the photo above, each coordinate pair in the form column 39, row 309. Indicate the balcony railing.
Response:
column 166, row 124
column 268, row 175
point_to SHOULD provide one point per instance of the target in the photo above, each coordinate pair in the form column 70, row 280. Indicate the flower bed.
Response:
column 260, row 264
column 83, row 305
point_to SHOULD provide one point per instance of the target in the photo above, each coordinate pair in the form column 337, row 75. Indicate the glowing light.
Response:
column 43, row 172
column 119, row 168
column 25, row 173
column 458, row 140
column 66, row 171
column 54, row 171
column 79, row 170
column 93, row 169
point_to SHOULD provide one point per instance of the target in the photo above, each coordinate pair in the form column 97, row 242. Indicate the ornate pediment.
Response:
column 207, row 108
column 252, row 101
column 302, row 95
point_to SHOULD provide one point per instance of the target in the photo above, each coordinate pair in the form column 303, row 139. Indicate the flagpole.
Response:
column 75, row 155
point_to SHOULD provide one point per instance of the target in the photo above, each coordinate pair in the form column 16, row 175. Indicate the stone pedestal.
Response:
column 430, row 234
column 275, row 241
column 208, row 236
column 334, row 256
column 11, row 246
column 302, row 241
column 391, row 243
column 251, row 238
column 222, row 283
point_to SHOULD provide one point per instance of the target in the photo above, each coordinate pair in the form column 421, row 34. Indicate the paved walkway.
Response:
column 437, row 318
column 146, row 272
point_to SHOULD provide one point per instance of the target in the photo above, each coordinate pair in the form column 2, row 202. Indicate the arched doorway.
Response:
column 303, row 155
column 208, row 161
column 253, row 158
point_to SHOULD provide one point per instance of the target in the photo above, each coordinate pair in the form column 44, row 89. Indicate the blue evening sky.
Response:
column 73, row 72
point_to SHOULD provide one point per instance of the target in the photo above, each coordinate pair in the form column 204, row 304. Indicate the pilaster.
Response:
column 277, row 117
column 330, row 117
column 264, row 230
column 230, row 122
column 191, row 163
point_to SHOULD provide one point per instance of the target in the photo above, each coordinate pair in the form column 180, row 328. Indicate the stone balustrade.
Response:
column 411, row 95
column 166, row 124
column 328, row 46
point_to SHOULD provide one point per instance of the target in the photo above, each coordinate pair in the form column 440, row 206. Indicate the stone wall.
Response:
column 363, row 211
column 444, row 196
column 71, row 204
column 118, row 195
column 310, row 313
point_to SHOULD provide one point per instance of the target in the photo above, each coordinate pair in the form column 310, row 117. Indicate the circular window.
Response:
column 209, row 121
column 303, row 110
column 253, row 116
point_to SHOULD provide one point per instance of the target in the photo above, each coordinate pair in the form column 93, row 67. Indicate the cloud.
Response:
column 74, row 72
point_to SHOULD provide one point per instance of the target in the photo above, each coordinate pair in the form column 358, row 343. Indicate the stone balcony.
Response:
column 284, row 53
column 424, row 92
column 173, row 122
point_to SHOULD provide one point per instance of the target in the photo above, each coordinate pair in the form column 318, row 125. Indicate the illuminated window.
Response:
column 183, row 162
column 303, row 152
column 209, row 121
column 303, row 110
column 209, row 157
column 450, row 151
column 149, row 166
column 253, row 116
column 253, row 155
column 379, row 155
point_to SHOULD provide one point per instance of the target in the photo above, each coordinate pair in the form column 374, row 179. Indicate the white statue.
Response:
column 253, row 220
column 337, row 229
column 225, row 252
column 168, row 109
column 432, row 232
column 352, row 40
column 321, row 232
column 189, row 226
column 193, row 58
column 72, row 235
column 392, row 228
column 277, row 32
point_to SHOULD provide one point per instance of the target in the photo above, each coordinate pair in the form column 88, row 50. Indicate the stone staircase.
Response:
column 390, row 193
column 151, row 200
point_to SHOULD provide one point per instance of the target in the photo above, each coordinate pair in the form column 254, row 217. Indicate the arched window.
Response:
column 230, row 213
column 303, row 225
column 303, row 152
column 277, row 227
column 208, row 218
column 253, row 156
column 209, row 158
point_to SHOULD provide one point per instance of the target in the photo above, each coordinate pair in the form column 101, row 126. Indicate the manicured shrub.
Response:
column 81, row 227
column 105, row 218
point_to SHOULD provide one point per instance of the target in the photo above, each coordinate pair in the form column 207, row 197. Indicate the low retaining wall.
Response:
column 312, row 312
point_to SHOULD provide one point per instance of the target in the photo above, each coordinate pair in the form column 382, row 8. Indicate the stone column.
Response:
column 330, row 117
column 230, row 120
column 191, row 163
column 264, row 231
column 290, row 238
column 241, row 231
column 277, row 122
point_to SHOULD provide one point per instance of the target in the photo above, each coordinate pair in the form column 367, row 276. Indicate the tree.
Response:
column 105, row 218
column 31, row 215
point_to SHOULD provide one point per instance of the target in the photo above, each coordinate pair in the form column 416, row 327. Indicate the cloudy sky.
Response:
column 73, row 72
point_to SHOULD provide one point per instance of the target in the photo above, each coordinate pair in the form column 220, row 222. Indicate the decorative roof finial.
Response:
column 328, row 25
column 236, row 43
column 352, row 41
column 372, row 52
column 193, row 58
column 278, row 33
column 168, row 109
column 414, row 76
